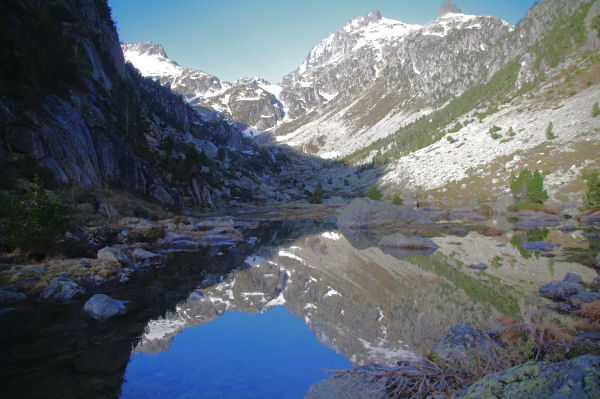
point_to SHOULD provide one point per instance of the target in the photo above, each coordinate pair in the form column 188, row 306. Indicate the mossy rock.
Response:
column 575, row 378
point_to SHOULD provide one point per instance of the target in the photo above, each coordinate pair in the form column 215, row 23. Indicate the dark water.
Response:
column 264, row 319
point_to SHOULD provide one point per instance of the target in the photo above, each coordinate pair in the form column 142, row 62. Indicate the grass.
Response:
column 533, row 206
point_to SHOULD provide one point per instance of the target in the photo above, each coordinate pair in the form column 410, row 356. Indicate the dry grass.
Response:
column 590, row 313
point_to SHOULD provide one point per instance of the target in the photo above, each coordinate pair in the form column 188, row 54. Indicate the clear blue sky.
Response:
column 268, row 38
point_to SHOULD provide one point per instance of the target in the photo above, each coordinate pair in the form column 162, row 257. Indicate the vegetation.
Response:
column 549, row 133
column 428, row 129
column 374, row 194
column 595, row 110
column 529, row 186
column 494, row 132
column 592, row 197
column 34, row 223
column 451, row 139
column 397, row 199
column 317, row 195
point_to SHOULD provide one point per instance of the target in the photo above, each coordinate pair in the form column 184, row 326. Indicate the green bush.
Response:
column 529, row 186
column 549, row 133
column 374, row 194
column 34, row 223
column 592, row 197
column 317, row 195
column 595, row 110
column 397, row 200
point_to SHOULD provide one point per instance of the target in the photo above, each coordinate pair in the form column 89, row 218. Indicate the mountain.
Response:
column 73, row 111
column 250, row 103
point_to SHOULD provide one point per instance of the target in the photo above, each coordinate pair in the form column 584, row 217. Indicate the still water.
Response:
column 265, row 318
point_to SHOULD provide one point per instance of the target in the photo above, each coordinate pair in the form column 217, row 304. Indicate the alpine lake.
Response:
column 265, row 317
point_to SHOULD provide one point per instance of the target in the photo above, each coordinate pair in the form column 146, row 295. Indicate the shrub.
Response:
column 549, row 133
column 451, row 139
column 317, row 195
column 33, row 224
column 374, row 194
column 592, row 197
column 511, row 132
column 595, row 110
column 397, row 200
column 529, row 186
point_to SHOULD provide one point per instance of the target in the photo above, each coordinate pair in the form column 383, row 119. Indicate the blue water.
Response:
column 269, row 355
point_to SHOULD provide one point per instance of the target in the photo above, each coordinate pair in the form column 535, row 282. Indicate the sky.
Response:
column 232, row 39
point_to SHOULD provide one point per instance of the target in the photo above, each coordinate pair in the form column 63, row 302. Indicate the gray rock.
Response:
column 398, row 240
column 362, row 213
column 538, row 246
column 597, row 261
column 142, row 254
column 461, row 343
column 32, row 271
column 591, row 220
column 561, row 307
column 479, row 266
column 112, row 254
column 578, row 378
column 460, row 232
column 137, row 223
column 10, row 295
column 573, row 278
column 62, row 290
column 560, row 290
column 347, row 386
column 539, row 221
column 102, row 307
column 162, row 195
column 578, row 300
column 448, row 7
column 569, row 225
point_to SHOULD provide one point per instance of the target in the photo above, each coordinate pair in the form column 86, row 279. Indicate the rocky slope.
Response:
column 71, row 106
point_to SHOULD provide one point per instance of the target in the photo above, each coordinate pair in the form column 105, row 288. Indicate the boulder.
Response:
column 112, row 254
column 362, row 213
column 573, row 278
column 142, row 254
column 347, row 386
column 597, row 261
column 569, row 225
column 137, row 223
column 10, row 295
column 538, row 246
column 62, row 290
column 398, row 240
column 539, row 221
column 576, row 378
column 578, row 300
column 560, row 290
column 479, row 266
column 560, row 307
column 591, row 220
column 459, row 232
column 462, row 343
column 102, row 307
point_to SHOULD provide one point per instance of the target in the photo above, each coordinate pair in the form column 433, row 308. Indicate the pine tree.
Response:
column 374, row 194
column 535, row 188
column 317, row 196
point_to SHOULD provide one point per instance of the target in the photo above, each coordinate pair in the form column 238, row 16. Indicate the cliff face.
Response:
column 69, row 103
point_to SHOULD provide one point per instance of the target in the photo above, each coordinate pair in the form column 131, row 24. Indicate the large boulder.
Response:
column 560, row 290
column 539, row 221
column 597, row 261
column 143, row 254
column 538, row 246
column 10, row 295
column 591, row 220
column 578, row 300
column 578, row 378
column 102, row 307
column 112, row 254
column 398, row 240
column 63, row 290
column 462, row 343
column 347, row 385
column 362, row 213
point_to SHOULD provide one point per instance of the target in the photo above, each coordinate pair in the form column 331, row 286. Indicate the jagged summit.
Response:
column 448, row 7
column 374, row 15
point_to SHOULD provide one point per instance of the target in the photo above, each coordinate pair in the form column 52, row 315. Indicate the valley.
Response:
column 415, row 208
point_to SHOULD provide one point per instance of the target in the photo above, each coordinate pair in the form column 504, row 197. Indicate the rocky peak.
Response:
column 148, row 48
column 373, row 16
column 448, row 7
